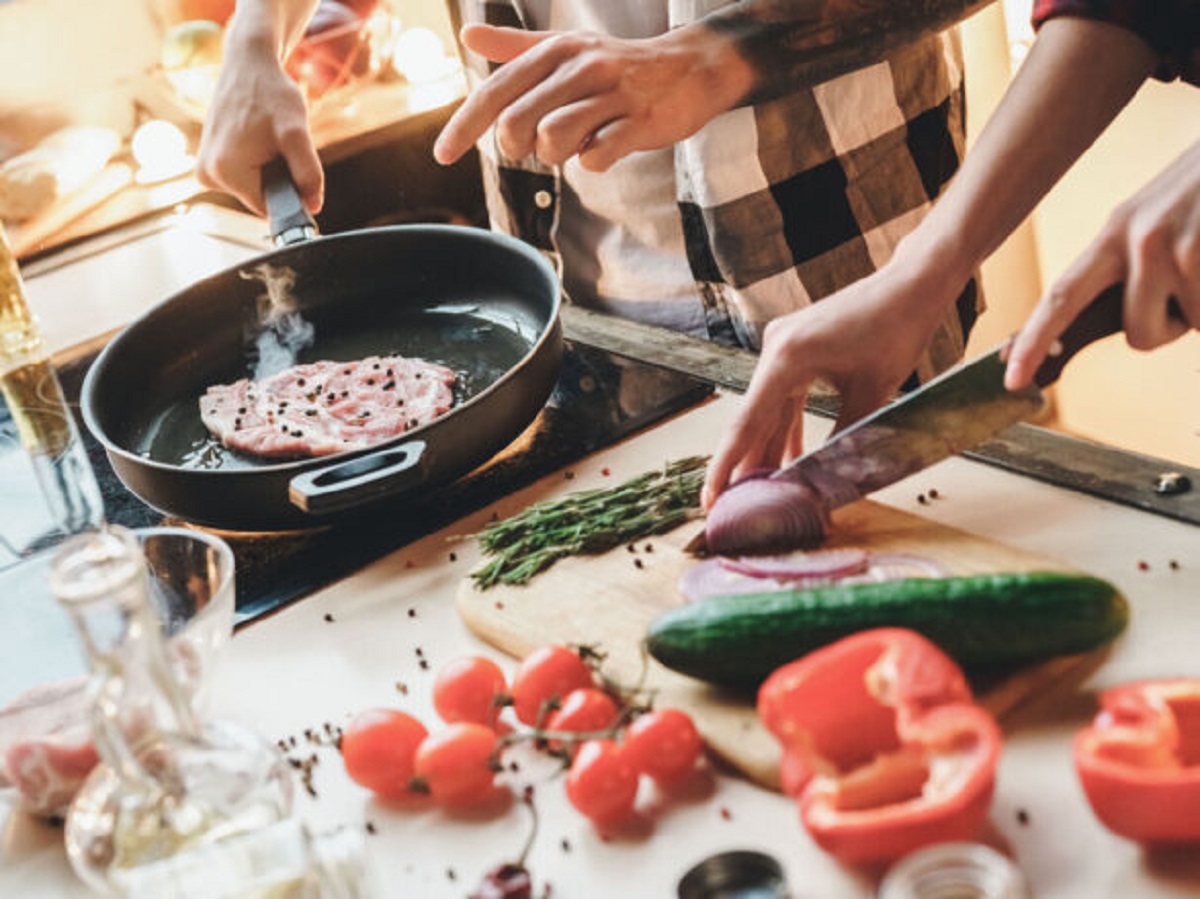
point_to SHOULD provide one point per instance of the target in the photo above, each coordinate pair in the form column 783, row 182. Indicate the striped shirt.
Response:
column 784, row 202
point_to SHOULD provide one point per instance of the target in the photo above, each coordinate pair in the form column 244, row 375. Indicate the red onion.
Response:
column 764, row 515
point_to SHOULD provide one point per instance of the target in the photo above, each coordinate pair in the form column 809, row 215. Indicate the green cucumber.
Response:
column 984, row 622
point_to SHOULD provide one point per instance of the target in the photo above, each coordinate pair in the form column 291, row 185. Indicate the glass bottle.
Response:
column 167, row 781
column 43, row 420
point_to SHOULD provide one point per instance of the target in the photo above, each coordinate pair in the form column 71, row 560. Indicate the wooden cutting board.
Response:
column 608, row 601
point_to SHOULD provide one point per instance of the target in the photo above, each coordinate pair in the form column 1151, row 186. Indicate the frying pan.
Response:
column 482, row 303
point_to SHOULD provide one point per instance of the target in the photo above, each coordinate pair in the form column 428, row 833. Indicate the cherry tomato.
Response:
column 663, row 744
column 378, row 749
column 601, row 783
column 457, row 764
column 472, row 688
column 543, row 678
column 583, row 710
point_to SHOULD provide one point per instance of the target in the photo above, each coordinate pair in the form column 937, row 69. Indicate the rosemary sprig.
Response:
column 590, row 521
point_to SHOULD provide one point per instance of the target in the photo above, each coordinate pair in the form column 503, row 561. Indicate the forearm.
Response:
column 1078, row 76
column 790, row 43
column 271, row 26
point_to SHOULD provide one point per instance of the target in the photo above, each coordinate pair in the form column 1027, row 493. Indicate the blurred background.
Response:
column 382, row 76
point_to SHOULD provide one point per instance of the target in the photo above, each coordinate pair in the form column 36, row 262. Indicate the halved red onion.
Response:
column 762, row 515
column 827, row 564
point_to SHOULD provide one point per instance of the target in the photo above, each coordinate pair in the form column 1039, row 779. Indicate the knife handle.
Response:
column 1100, row 318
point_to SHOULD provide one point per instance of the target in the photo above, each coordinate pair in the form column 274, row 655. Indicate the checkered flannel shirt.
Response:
column 1171, row 27
column 786, row 202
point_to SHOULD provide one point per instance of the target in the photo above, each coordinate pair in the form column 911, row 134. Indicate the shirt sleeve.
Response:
column 1170, row 27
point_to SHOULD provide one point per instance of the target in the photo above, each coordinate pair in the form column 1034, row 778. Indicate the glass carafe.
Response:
column 167, row 782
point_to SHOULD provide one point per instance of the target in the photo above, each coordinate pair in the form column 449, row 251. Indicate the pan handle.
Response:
column 346, row 485
column 290, row 220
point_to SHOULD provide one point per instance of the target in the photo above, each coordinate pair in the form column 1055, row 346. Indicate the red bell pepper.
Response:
column 1139, row 761
column 883, row 745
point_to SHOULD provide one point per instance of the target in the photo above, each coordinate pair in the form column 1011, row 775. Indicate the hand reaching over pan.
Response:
column 864, row 341
column 561, row 94
column 1152, row 243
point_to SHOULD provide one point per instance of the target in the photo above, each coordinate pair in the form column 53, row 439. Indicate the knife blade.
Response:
column 951, row 413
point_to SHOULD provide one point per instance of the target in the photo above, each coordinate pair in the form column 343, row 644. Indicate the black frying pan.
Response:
column 483, row 304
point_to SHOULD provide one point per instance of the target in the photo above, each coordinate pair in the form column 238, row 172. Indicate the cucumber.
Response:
column 984, row 622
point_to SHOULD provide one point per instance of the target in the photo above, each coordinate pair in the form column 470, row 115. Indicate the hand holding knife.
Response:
column 950, row 414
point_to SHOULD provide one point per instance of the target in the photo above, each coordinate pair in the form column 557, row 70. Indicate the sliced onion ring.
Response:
column 828, row 564
column 710, row 578
column 720, row 576
column 890, row 566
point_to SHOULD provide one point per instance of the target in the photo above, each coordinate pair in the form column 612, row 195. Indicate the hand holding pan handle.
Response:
column 290, row 220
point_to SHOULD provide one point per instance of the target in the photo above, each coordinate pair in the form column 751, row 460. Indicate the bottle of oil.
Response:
column 167, row 782
column 283, row 861
column 43, row 421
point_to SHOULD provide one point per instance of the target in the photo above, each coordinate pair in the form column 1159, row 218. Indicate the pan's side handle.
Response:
column 346, row 485
column 290, row 220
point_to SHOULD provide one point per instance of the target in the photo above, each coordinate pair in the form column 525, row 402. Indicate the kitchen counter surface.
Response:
column 377, row 637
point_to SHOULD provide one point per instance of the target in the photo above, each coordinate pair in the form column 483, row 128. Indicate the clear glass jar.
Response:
column 954, row 871
column 167, row 781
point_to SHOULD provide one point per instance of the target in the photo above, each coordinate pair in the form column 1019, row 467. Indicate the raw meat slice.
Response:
column 321, row 408
column 46, row 749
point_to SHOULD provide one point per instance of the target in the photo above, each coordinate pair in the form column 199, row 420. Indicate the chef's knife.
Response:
column 952, row 413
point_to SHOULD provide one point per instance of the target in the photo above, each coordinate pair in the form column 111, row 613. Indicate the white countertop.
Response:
column 296, row 670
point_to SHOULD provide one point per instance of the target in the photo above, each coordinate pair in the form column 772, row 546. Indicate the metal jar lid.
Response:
column 954, row 871
column 740, row 874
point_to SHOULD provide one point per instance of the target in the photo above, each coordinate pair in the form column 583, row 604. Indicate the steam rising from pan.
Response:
column 282, row 333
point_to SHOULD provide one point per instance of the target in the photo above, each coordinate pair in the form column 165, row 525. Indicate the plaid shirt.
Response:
column 1171, row 27
column 788, row 201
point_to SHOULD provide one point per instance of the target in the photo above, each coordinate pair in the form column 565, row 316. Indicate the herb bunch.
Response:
column 590, row 521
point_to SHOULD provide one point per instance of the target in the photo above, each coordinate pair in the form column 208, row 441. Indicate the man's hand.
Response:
column 561, row 94
column 258, row 112
column 1152, row 243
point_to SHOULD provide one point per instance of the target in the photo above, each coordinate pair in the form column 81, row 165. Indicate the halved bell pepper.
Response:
column 883, row 745
column 1139, row 761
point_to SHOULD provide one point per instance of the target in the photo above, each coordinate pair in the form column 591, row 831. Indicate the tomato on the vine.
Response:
column 663, row 744
column 584, row 710
column 379, row 747
column 601, row 783
column 457, row 765
column 544, row 678
column 472, row 688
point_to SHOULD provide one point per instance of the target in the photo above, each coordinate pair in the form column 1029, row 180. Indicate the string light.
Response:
column 161, row 151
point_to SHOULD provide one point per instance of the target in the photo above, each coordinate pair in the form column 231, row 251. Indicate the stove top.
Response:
column 599, row 399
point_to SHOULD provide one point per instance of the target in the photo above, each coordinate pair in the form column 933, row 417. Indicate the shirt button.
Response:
column 542, row 199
